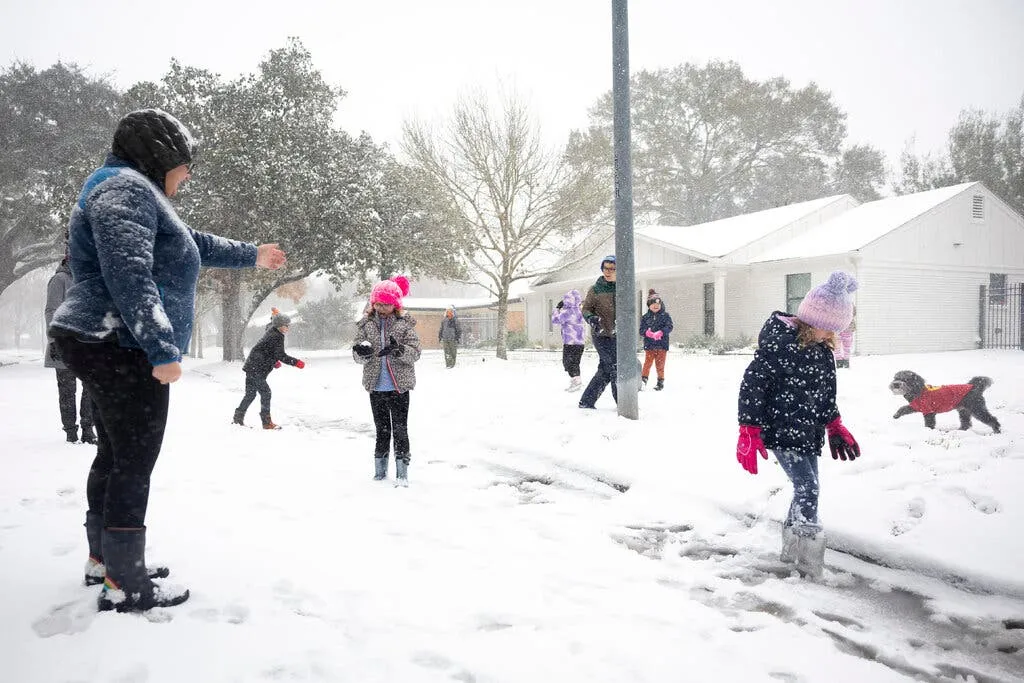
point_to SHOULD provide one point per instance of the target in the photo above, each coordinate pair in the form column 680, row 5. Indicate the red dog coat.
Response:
column 940, row 399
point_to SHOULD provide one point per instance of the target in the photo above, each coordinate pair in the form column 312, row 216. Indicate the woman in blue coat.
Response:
column 123, row 328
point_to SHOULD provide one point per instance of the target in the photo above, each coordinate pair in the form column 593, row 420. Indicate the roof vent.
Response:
column 978, row 208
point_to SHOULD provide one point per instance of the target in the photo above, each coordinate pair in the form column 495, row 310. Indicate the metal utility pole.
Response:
column 625, row 283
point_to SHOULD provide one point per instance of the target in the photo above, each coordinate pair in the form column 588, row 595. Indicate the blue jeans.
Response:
column 605, row 374
column 802, row 470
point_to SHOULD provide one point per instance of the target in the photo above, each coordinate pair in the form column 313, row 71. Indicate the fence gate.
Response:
column 1001, row 317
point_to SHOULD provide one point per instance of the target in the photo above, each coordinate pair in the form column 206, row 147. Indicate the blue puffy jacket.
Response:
column 135, row 265
column 787, row 391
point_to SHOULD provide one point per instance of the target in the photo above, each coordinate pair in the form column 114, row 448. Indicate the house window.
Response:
column 978, row 208
column 709, row 308
column 997, row 288
column 797, row 286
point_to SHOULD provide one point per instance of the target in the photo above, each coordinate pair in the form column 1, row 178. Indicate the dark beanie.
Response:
column 153, row 141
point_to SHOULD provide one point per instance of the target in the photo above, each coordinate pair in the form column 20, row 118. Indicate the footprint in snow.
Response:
column 915, row 512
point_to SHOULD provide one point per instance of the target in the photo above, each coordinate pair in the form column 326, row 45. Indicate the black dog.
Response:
column 966, row 399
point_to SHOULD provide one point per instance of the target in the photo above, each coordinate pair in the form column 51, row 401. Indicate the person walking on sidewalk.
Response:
column 787, row 403
column 599, row 312
column 655, row 326
column 268, row 354
column 387, row 346
column 67, row 384
column 123, row 328
column 569, row 316
column 450, row 334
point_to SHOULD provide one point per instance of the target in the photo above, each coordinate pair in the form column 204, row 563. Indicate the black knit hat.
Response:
column 154, row 141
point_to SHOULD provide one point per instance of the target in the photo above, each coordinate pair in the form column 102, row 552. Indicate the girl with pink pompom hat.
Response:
column 387, row 346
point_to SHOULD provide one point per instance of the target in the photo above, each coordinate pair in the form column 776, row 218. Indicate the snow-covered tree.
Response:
column 515, row 198
column 55, row 127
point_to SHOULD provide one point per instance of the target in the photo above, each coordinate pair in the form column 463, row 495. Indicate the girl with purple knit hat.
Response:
column 787, row 403
column 569, row 315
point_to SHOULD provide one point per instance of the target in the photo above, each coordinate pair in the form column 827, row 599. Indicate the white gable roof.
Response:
column 861, row 225
column 718, row 238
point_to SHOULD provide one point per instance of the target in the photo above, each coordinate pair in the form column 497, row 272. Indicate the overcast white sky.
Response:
column 897, row 67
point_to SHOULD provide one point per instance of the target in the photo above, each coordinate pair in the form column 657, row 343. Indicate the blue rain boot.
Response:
column 380, row 465
column 402, row 470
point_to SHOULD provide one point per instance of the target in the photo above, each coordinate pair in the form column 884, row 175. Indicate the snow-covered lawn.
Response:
column 537, row 542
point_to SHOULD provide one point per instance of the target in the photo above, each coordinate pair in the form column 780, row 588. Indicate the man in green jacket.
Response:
column 599, row 312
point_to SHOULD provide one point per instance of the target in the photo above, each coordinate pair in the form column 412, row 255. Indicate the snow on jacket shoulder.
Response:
column 135, row 265
column 787, row 391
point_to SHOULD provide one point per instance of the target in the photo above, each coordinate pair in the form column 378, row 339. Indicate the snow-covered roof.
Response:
column 718, row 238
column 861, row 225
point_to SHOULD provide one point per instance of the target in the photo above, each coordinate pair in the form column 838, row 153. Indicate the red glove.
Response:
column 277, row 364
column 299, row 364
column 748, row 446
column 841, row 441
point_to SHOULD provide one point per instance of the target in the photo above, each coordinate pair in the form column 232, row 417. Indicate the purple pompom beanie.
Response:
column 829, row 306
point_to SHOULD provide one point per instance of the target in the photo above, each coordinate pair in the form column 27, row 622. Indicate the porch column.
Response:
column 720, row 329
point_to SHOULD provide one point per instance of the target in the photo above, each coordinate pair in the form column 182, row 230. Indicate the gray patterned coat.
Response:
column 403, row 371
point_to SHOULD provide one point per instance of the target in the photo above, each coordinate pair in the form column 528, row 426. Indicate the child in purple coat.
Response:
column 569, row 315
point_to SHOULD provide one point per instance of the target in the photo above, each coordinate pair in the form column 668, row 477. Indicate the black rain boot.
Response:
column 127, row 587
column 72, row 433
column 239, row 418
column 380, row 466
column 660, row 385
column 95, row 570
column 88, row 435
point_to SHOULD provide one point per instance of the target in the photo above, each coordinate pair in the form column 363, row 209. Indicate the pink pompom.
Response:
column 403, row 283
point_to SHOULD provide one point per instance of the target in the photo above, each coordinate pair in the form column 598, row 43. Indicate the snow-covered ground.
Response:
column 537, row 542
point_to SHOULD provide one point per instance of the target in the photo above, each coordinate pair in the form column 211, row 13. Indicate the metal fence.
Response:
column 1001, row 317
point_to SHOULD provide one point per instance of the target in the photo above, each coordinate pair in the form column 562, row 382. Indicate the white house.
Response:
column 921, row 261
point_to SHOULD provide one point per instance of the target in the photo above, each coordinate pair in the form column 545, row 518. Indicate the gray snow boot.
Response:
column 95, row 570
column 810, row 555
column 239, row 418
column 402, row 470
column 380, row 466
column 789, row 543
column 660, row 385
column 127, row 587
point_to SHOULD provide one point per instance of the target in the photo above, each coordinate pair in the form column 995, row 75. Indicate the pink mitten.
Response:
column 649, row 334
column 748, row 446
column 657, row 335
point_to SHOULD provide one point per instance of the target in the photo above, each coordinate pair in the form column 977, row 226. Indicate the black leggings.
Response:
column 130, row 413
column 391, row 414
column 67, row 386
column 255, row 383
column 571, row 355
